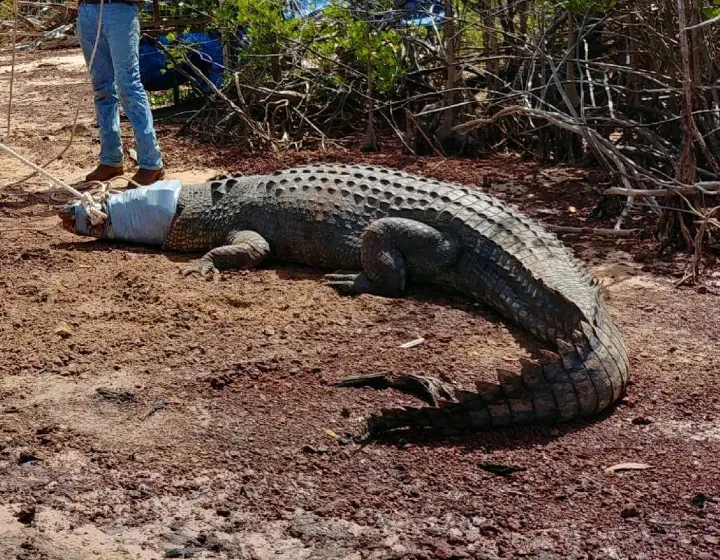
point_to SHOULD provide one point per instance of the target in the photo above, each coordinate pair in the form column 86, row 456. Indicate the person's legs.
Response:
column 106, row 97
column 122, row 30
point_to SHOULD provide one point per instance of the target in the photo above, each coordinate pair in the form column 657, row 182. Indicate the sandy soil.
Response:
column 252, row 455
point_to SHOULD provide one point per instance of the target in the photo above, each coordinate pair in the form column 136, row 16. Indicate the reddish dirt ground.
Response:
column 252, row 456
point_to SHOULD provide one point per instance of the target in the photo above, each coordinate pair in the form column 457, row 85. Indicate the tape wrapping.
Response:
column 143, row 215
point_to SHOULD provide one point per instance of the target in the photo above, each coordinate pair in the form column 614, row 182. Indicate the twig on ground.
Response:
column 595, row 231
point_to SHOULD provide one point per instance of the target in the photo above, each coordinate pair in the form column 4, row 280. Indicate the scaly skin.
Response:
column 395, row 228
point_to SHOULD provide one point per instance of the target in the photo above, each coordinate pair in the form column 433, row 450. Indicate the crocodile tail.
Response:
column 588, row 374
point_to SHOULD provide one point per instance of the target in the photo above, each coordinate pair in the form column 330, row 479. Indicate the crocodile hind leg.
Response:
column 394, row 249
column 242, row 249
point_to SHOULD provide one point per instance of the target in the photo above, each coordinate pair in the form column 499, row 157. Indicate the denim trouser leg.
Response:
column 103, row 82
column 119, row 43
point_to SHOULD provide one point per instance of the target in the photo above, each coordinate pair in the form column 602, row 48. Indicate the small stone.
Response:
column 630, row 510
column 472, row 535
column 699, row 500
column 269, row 331
column 513, row 524
column 316, row 449
column 26, row 515
column 250, row 492
column 710, row 539
column 455, row 536
column 399, row 550
column 218, row 382
column 444, row 552
column 26, row 457
column 64, row 331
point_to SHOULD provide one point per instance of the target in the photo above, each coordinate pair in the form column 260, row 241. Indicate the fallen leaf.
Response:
column 332, row 434
column 628, row 467
column 412, row 343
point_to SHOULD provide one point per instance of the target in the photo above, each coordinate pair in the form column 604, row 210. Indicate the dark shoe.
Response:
column 105, row 172
column 146, row 177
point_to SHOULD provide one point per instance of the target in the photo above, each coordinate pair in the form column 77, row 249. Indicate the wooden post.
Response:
column 12, row 70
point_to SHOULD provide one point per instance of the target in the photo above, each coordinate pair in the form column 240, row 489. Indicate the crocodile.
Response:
column 377, row 230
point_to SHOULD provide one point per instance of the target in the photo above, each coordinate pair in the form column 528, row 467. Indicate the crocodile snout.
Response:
column 67, row 215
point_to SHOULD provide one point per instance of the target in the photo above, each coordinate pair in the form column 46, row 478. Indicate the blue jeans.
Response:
column 115, row 77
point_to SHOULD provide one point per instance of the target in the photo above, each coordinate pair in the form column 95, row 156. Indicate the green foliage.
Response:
column 340, row 36
column 359, row 43
column 713, row 10
column 579, row 6
column 178, row 10
column 6, row 10
column 264, row 25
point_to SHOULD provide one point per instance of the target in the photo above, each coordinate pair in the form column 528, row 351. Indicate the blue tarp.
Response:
column 207, row 57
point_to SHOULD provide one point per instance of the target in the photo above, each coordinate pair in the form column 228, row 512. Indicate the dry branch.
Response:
column 595, row 231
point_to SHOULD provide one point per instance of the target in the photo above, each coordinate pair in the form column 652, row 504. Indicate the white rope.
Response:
column 86, row 199
column 92, row 206
column 80, row 99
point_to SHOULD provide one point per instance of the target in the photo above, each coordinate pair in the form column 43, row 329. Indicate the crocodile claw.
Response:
column 350, row 276
column 348, row 284
column 204, row 268
column 429, row 389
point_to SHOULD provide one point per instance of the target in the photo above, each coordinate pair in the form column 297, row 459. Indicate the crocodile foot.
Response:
column 429, row 389
column 349, row 284
column 203, row 267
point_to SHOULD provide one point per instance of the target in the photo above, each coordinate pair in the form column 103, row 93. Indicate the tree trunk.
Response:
column 448, row 119
column 490, row 45
column 370, row 142
column 571, row 143
column 676, row 226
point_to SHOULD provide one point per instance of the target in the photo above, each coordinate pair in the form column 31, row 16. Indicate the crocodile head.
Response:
column 75, row 220
column 143, row 215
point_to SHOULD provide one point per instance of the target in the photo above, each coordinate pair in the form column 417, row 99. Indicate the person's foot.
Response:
column 148, row 176
column 105, row 172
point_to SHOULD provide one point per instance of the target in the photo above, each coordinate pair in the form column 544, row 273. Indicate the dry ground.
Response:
column 251, row 457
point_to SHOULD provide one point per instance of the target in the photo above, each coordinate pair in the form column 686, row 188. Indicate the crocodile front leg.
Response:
column 242, row 249
column 394, row 249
